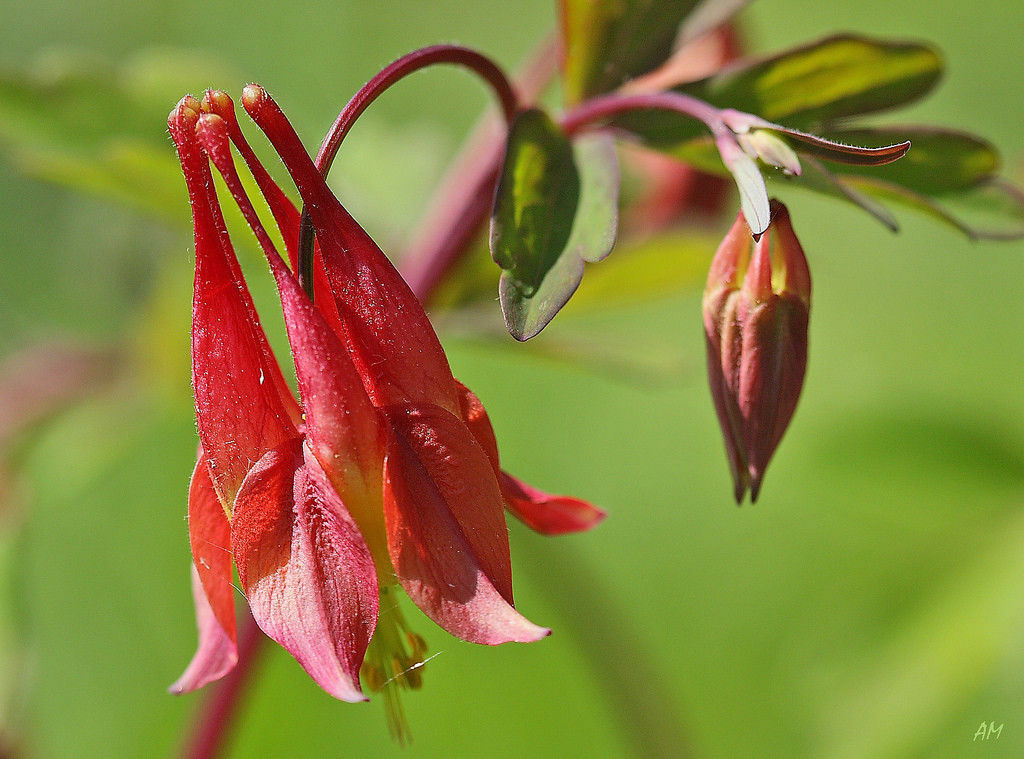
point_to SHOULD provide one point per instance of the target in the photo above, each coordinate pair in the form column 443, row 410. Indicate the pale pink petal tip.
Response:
column 217, row 653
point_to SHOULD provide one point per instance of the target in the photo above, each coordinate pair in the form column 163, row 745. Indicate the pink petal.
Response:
column 394, row 345
column 210, row 537
column 217, row 653
column 547, row 514
column 446, row 531
column 305, row 568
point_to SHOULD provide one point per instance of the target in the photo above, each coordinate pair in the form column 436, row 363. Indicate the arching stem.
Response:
column 407, row 64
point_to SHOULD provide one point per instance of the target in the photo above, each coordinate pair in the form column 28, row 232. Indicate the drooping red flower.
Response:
column 258, row 495
column 381, row 317
column 756, row 310
column 387, row 475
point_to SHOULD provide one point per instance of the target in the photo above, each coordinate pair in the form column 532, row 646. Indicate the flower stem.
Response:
column 603, row 107
column 463, row 200
column 407, row 64
column 216, row 718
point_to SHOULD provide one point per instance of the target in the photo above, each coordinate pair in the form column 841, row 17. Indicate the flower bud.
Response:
column 756, row 308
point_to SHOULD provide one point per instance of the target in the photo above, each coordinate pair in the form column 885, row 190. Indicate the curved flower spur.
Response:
column 388, row 475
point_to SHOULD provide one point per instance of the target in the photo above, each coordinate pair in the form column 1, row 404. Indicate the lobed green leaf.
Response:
column 956, row 187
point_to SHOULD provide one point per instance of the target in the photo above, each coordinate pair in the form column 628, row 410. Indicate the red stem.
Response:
column 217, row 715
column 605, row 106
column 407, row 64
column 463, row 200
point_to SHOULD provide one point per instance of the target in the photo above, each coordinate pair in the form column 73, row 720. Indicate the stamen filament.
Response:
column 394, row 660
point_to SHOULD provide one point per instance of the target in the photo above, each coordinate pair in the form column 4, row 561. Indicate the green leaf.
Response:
column 954, row 186
column 593, row 231
column 990, row 210
column 830, row 79
column 607, row 42
column 536, row 200
column 803, row 88
column 555, row 208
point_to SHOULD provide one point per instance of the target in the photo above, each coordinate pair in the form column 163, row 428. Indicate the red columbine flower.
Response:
column 386, row 329
column 756, row 311
column 388, row 475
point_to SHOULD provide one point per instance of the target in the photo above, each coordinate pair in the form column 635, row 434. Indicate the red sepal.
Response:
column 243, row 406
column 212, row 591
column 446, row 532
column 392, row 341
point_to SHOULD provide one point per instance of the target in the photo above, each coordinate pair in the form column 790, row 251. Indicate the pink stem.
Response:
column 407, row 64
column 605, row 106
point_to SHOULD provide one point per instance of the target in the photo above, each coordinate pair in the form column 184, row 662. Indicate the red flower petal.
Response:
column 393, row 343
column 547, row 514
column 210, row 536
column 285, row 213
column 342, row 426
column 243, row 406
column 475, row 416
column 305, row 568
column 446, row 531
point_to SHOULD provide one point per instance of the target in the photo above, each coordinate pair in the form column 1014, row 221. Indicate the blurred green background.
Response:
column 870, row 605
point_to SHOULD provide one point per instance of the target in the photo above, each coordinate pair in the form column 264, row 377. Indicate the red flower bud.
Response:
column 756, row 309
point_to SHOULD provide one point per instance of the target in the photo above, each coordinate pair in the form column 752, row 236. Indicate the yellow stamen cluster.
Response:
column 394, row 660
